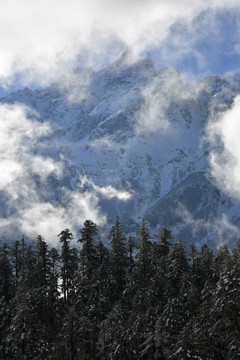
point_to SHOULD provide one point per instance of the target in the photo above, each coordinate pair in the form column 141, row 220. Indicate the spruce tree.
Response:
column 16, row 257
column 7, row 293
column 144, row 268
column 6, row 275
column 88, row 252
column 103, row 278
column 177, row 267
column 118, row 260
column 69, row 263
column 131, row 261
column 88, row 299
column 85, row 277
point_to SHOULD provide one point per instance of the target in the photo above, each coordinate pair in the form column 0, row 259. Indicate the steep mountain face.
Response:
column 137, row 139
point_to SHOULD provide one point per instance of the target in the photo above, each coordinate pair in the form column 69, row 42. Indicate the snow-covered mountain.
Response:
column 136, row 138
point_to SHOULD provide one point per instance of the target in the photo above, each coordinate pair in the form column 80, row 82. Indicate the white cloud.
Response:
column 18, row 136
column 105, row 141
column 9, row 169
column 40, row 39
column 220, row 229
column 48, row 220
column 76, row 83
column 43, row 37
column 157, row 96
column 24, row 182
column 108, row 192
column 223, row 134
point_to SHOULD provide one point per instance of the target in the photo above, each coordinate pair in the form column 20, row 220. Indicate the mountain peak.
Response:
column 129, row 60
column 134, row 135
column 170, row 72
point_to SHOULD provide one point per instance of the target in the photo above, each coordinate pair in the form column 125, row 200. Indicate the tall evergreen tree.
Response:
column 164, row 237
column 25, row 325
column 118, row 260
column 69, row 263
column 6, row 275
column 206, row 264
column 131, row 262
column 16, row 260
column 88, row 252
column 6, row 295
column 88, row 297
column 103, row 278
column 223, row 261
column 144, row 267
column 177, row 267
column 86, row 274
column 161, row 250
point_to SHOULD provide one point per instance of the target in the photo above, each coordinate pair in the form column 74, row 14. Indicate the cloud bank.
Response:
column 24, row 182
column 107, row 192
column 41, row 38
column 38, row 40
column 163, row 89
column 223, row 135
column 219, row 228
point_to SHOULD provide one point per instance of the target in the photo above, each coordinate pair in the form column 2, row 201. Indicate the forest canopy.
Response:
column 136, row 299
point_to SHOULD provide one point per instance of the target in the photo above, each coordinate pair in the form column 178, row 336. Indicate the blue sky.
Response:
column 209, row 46
column 39, row 41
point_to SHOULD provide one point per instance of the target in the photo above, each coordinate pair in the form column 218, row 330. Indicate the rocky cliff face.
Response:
column 137, row 139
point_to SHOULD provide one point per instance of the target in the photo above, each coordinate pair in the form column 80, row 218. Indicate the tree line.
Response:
column 136, row 299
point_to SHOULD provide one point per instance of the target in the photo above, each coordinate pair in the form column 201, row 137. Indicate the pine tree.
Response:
column 191, row 287
column 88, row 251
column 103, row 278
column 16, row 257
column 225, row 314
column 41, row 266
column 165, row 237
column 236, row 254
column 206, row 264
column 143, row 298
column 144, row 268
column 45, row 296
column 7, row 292
column 69, row 263
column 115, row 341
column 161, row 250
column 85, row 277
column 53, row 301
column 118, row 260
column 89, row 288
column 6, row 275
column 177, row 267
column 160, row 278
column 222, row 261
column 25, row 327
column 131, row 262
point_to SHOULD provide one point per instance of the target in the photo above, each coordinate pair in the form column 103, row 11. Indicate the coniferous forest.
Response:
column 136, row 299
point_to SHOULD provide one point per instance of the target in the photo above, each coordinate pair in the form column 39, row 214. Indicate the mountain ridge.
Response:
column 137, row 131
